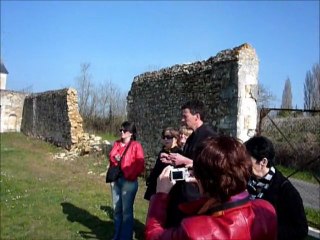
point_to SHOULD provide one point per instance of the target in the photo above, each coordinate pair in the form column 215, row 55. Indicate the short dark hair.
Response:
column 261, row 147
column 223, row 167
column 131, row 127
column 195, row 106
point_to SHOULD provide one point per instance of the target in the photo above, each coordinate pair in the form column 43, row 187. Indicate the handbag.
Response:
column 114, row 172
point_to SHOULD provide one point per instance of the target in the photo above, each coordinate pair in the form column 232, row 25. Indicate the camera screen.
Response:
column 177, row 175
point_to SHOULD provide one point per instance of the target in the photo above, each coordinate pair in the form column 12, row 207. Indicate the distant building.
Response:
column 11, row 105
column 3, row 76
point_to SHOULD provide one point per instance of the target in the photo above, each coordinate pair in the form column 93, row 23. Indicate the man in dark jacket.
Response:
column 269, row 184
column 193, row 115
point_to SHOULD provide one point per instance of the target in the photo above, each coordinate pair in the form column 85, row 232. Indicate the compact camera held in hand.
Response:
column 179, row 174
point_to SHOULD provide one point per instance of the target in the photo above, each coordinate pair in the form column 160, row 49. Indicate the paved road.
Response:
column 310, row 193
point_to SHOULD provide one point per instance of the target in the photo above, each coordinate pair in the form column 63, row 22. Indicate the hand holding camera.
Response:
column 179, row 174
column 170, row 175
column 164, row 184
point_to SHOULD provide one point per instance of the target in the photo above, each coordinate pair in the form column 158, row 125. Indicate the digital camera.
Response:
column 179, row 174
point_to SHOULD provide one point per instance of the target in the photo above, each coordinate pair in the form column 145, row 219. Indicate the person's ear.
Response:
column 264, row 162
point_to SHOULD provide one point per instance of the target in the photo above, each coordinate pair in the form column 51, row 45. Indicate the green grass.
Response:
column 301, row 175
column 108, row 136
column 42, row 198
column 313, row 217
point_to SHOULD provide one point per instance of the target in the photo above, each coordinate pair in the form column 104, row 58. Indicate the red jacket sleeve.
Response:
column 132, row 163
column 156, row 218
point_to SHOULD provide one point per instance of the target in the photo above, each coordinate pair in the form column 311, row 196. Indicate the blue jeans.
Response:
column 123, row 195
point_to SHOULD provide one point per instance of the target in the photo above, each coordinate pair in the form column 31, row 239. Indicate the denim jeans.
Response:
column 123, row 195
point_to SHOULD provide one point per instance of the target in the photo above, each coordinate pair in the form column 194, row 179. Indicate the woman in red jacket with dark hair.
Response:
column 124, row 189
column 224, row 211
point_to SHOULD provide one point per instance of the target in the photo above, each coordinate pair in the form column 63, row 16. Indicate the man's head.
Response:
column 193, row 114
column 262, row 154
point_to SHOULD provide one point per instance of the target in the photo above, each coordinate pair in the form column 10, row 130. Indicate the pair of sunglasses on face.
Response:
column 123, row 130
column 167, row 137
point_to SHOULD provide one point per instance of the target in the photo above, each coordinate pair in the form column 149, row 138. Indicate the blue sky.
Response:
column 43, row 43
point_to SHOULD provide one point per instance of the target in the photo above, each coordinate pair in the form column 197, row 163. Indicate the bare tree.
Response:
column 103, row 107
column 265, row 97
column 287, row 95
column 286, row 99
column 84, row 88
column 308, row 90
column 312, row 88
column 316, row 77
column 113, row 103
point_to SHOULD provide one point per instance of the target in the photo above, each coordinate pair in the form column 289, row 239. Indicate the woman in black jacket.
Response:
column 169, row 139
column 269, row 184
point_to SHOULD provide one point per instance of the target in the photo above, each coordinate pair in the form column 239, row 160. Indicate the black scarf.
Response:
column 257, row 187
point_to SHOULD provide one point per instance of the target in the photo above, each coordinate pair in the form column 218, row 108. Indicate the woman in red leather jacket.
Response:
column 224, row 211
column 124, row 189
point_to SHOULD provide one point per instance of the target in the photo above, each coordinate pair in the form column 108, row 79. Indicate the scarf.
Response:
column 257, row 187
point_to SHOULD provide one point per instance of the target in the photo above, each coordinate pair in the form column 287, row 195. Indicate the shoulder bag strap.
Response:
column 125, row 151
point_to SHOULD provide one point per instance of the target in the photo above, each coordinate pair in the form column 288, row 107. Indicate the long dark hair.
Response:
column 130, row 127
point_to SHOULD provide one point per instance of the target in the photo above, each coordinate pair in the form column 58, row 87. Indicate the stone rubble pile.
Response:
column 87, row 145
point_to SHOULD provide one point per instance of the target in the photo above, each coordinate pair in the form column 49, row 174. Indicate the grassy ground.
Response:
column 302, row 175
column 42, row 198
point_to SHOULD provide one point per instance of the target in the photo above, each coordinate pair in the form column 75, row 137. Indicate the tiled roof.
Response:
column 3, row 69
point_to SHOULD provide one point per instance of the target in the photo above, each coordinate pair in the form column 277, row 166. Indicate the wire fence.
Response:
column 296, row 137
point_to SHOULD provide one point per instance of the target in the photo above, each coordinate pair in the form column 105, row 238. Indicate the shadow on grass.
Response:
column 138, row 227
column 101, row 230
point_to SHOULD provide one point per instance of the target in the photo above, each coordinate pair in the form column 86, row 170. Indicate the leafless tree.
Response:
column 312, row 88
column 308, row 90
column 102, row 107
column 112, row 104
column 265, row 97
column 316, row 76
column 287, row 95
column 84, row 88
column 286, row 99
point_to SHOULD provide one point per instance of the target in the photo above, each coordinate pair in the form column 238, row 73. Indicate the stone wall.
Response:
column 54, row 117
column 226, row 83
column 11, row 110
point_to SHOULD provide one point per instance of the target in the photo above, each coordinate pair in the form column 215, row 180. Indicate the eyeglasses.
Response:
column 167, row 137
column 123, row 130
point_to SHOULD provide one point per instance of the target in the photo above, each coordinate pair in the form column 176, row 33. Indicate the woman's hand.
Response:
column 179, row 160
column 164, row 158
column 164, row 184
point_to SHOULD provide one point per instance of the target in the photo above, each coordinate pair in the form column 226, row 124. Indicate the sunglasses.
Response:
column 167, row 137
column 123, row 130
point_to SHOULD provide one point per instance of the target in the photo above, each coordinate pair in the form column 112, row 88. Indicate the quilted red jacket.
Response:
column 132, row 163
column 254, row 219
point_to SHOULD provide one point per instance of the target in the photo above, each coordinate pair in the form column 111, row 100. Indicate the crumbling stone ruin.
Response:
column 53, row 116
column 226, row 83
